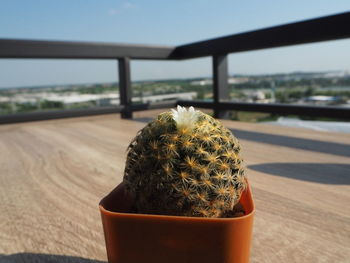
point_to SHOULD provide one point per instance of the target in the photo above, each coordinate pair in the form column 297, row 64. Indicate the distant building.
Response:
column 202, row 82
column 255, row 96
column 258, row 95
column 4, row 99
column 232, row 80
column 237, row 80
column 172, row 96
column 113, row 98
column 323, row 100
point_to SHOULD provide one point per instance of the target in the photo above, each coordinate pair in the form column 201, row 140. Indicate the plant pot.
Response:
column 139, row 238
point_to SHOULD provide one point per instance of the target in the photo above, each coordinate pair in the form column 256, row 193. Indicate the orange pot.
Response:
column 140, row 238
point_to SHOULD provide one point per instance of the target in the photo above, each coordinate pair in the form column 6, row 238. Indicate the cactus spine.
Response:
column 185, row 163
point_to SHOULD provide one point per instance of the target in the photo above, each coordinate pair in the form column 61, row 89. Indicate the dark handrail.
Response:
column 314, row 30
column 16, row 48
column 70, row 113
column 277, row 108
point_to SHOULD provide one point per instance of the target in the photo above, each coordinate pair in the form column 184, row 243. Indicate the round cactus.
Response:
column 184, row 163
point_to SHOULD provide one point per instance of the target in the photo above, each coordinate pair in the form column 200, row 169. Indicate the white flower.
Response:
column 185, row 119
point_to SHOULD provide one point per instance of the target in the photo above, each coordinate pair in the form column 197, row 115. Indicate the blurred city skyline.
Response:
column 161, row 23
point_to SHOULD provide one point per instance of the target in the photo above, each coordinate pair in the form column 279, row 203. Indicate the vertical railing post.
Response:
column 125, row 92
column 220, row 84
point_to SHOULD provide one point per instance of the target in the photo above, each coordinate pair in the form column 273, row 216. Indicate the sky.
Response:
column 161, row 23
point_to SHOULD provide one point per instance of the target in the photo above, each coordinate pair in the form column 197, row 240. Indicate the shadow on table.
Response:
column 43, row 258
column 324, row 173
column 293, row 142
column 286, row 141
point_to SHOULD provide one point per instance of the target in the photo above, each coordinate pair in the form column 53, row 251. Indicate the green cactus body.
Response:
column 185, row 170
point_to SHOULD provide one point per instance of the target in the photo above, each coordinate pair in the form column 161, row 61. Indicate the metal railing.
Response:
column 327, row 28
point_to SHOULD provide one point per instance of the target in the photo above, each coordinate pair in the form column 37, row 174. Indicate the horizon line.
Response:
column 185, row 78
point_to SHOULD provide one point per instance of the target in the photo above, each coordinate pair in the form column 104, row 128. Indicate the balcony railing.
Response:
column 327, row 28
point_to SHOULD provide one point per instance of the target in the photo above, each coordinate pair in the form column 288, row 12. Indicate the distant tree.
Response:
column 51, row 104
column 310, row 91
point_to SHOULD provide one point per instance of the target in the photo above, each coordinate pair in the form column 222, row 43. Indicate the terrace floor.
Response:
column 53, row 174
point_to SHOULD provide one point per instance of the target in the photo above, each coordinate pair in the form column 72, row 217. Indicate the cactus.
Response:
column 185, row 163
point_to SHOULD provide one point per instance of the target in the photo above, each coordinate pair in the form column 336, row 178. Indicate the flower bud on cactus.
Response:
column 184, row 163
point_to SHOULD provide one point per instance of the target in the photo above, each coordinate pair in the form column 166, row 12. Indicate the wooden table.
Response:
column 53, row 174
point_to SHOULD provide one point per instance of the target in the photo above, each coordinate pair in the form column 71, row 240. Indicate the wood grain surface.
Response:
column 53, row 174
